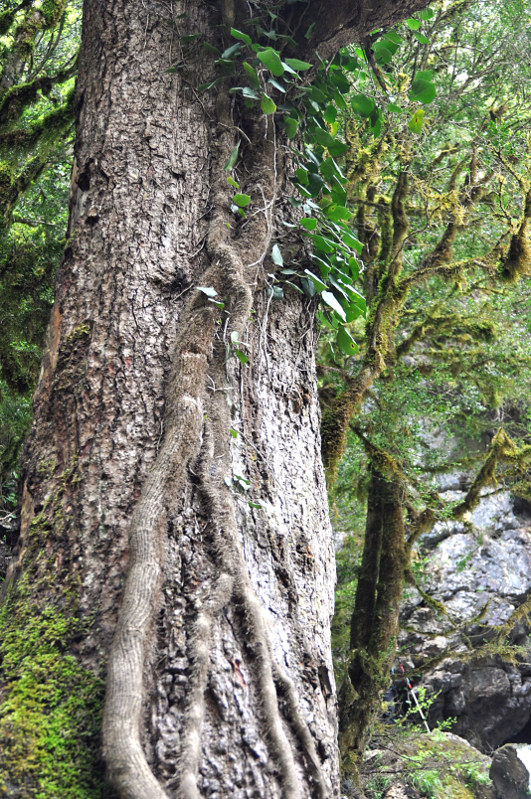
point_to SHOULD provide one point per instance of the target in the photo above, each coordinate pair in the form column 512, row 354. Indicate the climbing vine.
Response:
column 310, row 101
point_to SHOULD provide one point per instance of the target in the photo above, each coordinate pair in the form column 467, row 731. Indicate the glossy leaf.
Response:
column 331, row 301
column 233, row 157
column 241, row 200
column 243, row 37
column 422, row 91
column 416, row 122
column 297, row 64
column 271, row 59
column 291, row 127
column 252, row 75
column 345, row 342
column 267, row 105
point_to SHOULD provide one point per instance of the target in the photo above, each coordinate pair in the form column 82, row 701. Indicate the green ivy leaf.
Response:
column 319, row 285
column 308, row 287
column 362, row 105
column 337, row 148
column 241, row 356
column 338, row 213
column 421, row 38
column 250, row 93
column 382, row 53
column 394, row 37
column 297, row 64
column 416, row 121
column 241, row 200
column 330, row 114
column 271, row 59
column 345, row 342
column 351, row 241
column 252, row 75
column 422, row 90
column 302, row 175
column 331, row 301
column 291, row 126
column 277, row 85
column 309, row 224
column 233, row 157
column 322, row 244
column 340, row 81
column 230, row 51
column 243, row 37
column 309, row 32
column 413, row 24
column 267, row 105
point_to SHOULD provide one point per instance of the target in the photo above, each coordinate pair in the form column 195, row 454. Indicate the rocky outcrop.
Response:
column 414, row 765
column 480, row 569
column 511, row 771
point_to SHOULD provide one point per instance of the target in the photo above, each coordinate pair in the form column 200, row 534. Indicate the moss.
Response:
column 52, row 11
column 44, row 130
column 6, row 20
column 6, row 178
column 518, row 260
column 50, row 710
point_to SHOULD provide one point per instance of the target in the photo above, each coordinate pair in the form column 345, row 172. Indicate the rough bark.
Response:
column 210, row 616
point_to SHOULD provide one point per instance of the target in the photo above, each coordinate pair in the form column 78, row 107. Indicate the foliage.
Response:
column 413, row 213
column 38, row 53
column 442, row 211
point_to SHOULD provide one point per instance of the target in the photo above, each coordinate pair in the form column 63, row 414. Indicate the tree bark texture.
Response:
column 143, row 560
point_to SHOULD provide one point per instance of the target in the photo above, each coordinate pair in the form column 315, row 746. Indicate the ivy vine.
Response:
column 310, row 101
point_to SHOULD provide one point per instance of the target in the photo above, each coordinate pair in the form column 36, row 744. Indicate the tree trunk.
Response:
column 375, row 619
column 175, row 542
column 231, row 602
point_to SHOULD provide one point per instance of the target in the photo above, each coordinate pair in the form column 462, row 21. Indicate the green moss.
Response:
column 6, row 20
column 6, row 177
column 52, row 11
column 50, row 709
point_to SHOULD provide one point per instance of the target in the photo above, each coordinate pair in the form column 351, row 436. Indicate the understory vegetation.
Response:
column 413, row 195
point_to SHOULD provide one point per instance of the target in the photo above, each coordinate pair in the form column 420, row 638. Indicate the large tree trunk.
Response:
column 134, row 528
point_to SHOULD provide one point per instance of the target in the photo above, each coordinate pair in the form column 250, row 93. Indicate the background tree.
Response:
column 154, row 454
column 442, row 210
column 38, row 50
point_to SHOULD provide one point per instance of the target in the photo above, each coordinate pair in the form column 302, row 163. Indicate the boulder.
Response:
column 480, row 569
column 438, row 764
column 511, row 771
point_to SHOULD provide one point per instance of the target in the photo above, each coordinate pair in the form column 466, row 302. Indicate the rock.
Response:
column 440, row 765
column 490, row 700
column 511, row 771
column 481, row 572
column 401, row 791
